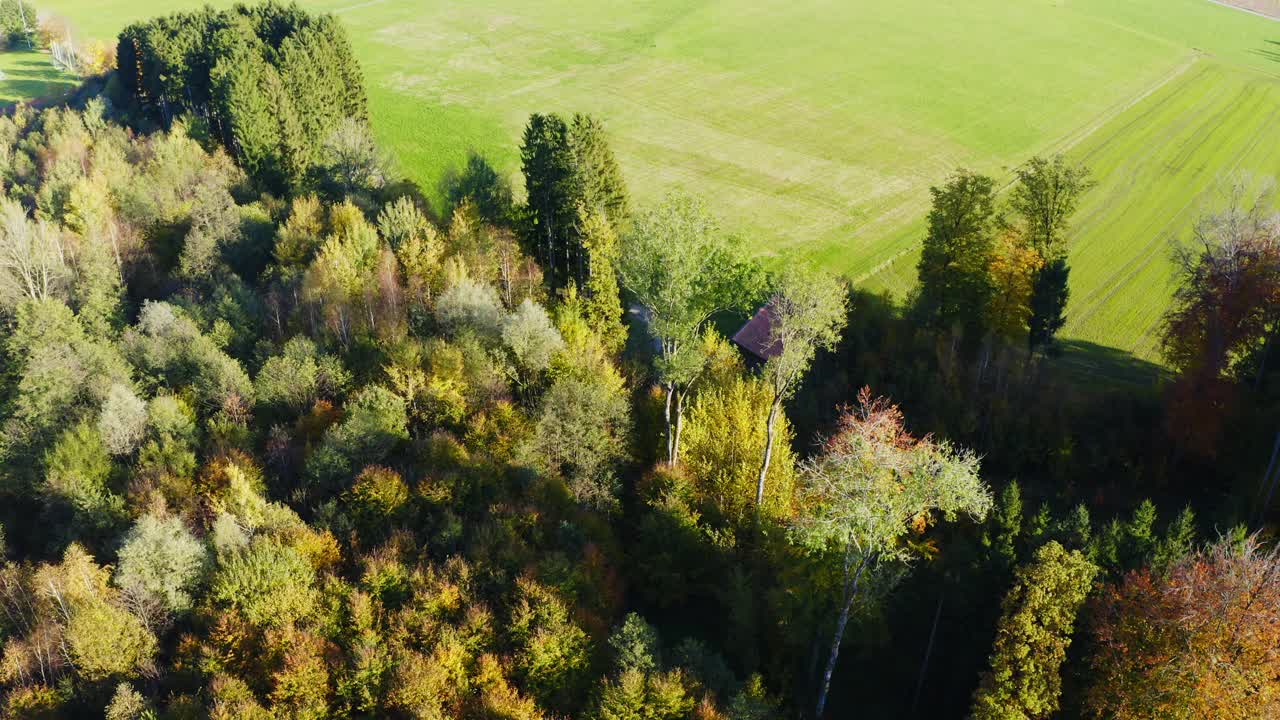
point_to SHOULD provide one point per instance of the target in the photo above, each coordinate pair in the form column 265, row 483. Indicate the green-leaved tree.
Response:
column 1033, row 636
column 683, row 270
column 872, row 486
column 806, row 314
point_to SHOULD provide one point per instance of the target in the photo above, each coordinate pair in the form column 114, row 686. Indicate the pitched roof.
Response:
column 754, row 337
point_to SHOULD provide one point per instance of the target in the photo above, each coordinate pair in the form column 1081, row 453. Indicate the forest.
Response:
column 281, row 439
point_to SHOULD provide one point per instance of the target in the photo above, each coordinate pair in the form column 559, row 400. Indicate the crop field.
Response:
column 816, row 128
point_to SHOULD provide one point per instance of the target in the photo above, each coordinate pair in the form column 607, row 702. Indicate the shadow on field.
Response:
column 33, row 79
column 1088, row 362
column 1271, row 53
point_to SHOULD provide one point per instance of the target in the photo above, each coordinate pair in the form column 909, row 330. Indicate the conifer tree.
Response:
column 551, row 183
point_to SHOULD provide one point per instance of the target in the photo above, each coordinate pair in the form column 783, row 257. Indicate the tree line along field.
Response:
column 815, row 129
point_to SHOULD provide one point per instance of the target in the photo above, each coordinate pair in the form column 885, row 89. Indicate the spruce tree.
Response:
column 599, row 177
column 551, row 184
column 1049, row 297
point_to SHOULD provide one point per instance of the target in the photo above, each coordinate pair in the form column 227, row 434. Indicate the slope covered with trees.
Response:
column 281, row 440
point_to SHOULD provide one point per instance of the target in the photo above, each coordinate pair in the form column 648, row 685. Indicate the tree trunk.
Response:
column 769, row 430
column 671, row 433
column 1269, row 480
column 928, row 651
column 851, row 591
column 675, row 446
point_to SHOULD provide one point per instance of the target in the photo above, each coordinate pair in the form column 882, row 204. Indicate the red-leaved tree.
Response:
column 1202, row 641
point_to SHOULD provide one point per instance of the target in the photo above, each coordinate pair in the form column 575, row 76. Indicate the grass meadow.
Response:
column 816, row 127
column 25, row 75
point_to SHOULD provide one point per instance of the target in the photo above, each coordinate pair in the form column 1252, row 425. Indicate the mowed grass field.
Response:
column 25, row 75
column 815, row 128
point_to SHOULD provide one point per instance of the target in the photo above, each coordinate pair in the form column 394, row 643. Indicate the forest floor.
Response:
column 815, row 128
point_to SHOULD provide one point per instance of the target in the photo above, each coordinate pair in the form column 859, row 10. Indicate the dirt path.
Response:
column 1265, row 8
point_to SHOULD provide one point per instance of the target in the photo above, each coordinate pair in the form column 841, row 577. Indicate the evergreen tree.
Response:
column 1049, row 297
column 272, row 80
column 487, row 190
column 552, row 186
column 599, row 177
column 603, row 305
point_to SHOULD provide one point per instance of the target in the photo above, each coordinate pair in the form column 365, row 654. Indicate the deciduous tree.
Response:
column 1033, row 636
column 682, row 269
column 806, row 314
column 581, row 434
column 955, row 261
column 869, row 489
column 1226, row 305
column 1045, row 197
column 33, row 259
column 163, row 561
column 1197, row 641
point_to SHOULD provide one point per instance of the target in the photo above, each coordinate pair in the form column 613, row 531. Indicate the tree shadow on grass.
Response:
column 33, row 79
column 1271, row 53
column 1091, row 363
column 50, row 76
column 34, row 89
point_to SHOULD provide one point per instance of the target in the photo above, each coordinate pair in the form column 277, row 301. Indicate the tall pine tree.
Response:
column 552, row 186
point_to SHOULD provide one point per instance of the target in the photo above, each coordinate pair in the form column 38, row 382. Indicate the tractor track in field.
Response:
column 1163, row 237
column 1062, row 146
column 1103, row 293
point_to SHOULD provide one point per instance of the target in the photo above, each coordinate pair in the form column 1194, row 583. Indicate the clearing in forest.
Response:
column 816, row 128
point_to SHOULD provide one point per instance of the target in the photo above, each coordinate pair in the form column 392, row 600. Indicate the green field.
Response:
column 816, row 127
column 29, row 75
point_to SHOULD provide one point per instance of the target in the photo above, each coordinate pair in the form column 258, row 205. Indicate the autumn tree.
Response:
column 1226, row 305
column 723, row 442
column 33, row 258
column 805, row 315
column 376, row 420
column 551, row 650
column 1014, row 267
column 682, row 270
column 270, row 582
column 342, row 280
column 872, row 486
column 66, row 617
column 1033, row 636
column 1196, row 641
column 1229, row 286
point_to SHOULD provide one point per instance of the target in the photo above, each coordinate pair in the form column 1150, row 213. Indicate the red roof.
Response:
column 754, row 337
